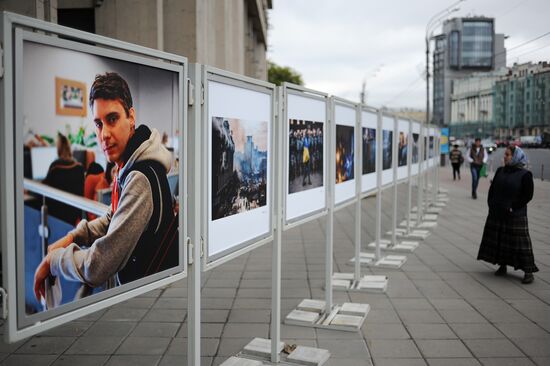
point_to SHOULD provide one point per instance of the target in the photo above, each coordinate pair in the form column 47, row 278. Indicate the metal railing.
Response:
column 70, row 199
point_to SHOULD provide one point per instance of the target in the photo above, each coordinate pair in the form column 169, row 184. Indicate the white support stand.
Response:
column 325, row 314
column 262, row 351
column 194, row 223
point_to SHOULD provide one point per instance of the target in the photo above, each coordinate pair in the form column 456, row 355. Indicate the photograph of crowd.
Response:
column 402, row 149
column 431, row 152
column 415, row 148
column 369, row 150
column 305, row 166
column 387, row 146
column 344, row 153
column 239, row 166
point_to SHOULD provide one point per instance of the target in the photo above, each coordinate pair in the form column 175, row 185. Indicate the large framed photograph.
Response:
column 387, row 149
column 415, row 142
column 304, row 154
column 369, row 122
column 70, row 97
column 238, row 122
column 344, row 152
column 402, row 148
column 69, row 249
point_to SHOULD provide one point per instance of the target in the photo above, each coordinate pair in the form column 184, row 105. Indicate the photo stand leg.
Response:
column 258, row 353
column 367, row 283
column 348, row 317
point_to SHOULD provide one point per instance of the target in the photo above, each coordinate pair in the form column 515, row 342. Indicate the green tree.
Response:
column 279, row 74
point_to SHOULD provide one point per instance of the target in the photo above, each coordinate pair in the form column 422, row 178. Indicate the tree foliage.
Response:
column 279, row 74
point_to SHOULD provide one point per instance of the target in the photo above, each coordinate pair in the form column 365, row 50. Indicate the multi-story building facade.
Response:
column 472, row 104
column 231, row 35
column 465, row 46
column 522, row 101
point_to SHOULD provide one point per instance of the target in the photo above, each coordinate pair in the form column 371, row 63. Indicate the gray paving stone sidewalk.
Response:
column 442, row 308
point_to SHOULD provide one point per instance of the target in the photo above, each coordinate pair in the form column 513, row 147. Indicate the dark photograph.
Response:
column 369, row 150
column 305, row 144
column 387, row 145
column 402, row 149
column 415, row 148
column 431, row 151
column 425, row 153
column 239, row 166
column 344, row 153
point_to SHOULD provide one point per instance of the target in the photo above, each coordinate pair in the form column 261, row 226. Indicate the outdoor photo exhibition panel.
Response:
column 238, row 153
column 305, row 178
column 369, row 123
column 45, row 88
column 415, row 147
column 431, row 150
column 403, row 144
column 387, row 149
column 345, row 119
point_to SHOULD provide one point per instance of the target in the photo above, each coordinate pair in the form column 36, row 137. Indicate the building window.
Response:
column 453, row 49
column 477, row 44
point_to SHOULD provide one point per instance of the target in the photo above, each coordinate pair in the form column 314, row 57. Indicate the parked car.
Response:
column 530, row 141
column 489, row 145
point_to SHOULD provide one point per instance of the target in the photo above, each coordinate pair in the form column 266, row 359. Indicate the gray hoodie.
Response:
column 111, row 239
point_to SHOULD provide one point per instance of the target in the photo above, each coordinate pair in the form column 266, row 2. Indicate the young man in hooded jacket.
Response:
column 121, row 244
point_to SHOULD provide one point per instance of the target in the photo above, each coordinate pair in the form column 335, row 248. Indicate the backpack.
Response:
column 158, row 247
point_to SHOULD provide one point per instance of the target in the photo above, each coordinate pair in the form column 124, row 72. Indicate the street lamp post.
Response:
column 430, row 27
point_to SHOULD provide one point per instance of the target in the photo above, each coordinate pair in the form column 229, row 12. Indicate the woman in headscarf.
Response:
column 506, row 239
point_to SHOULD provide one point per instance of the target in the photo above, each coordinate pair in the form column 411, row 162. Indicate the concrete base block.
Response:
column 309, row 356
column 260, row 347
column 364, row 258
column 414, row 234
column 391, row 261
column 404, row 246
column 431, row 210
column 422, row 225
column 426, row 216
column 239, row 361
column 348, row 317
column 367, row 283
column 258, row 353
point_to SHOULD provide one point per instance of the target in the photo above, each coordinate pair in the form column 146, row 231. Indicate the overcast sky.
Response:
column 337, row 44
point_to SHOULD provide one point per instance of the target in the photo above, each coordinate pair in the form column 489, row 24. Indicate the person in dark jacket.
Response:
column 456, row 161
column 506, row 239
column 476, row 157
column 65, row 174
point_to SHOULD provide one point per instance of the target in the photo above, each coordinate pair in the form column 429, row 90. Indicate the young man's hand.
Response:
column 42, row 272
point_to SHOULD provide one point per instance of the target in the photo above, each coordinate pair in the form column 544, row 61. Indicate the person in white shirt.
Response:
column 477, row 156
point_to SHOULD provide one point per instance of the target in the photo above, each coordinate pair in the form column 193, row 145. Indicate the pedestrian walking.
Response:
column 506, row 239
column 456, row 161
column 476, row 157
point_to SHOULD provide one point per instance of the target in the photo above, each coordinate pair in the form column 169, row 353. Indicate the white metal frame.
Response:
column 232, row 79
column 14, row 32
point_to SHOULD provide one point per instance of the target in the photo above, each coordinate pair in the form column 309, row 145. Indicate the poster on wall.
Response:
column 402, row 149
column 239, row 124
column 85, row 120
column 305, row 155
column 387, row 149
column 415, row 153
column 431, row 141
column 345, row 118
column 368, row 139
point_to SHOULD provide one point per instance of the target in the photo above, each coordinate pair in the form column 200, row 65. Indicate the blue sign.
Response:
column 444, row 141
